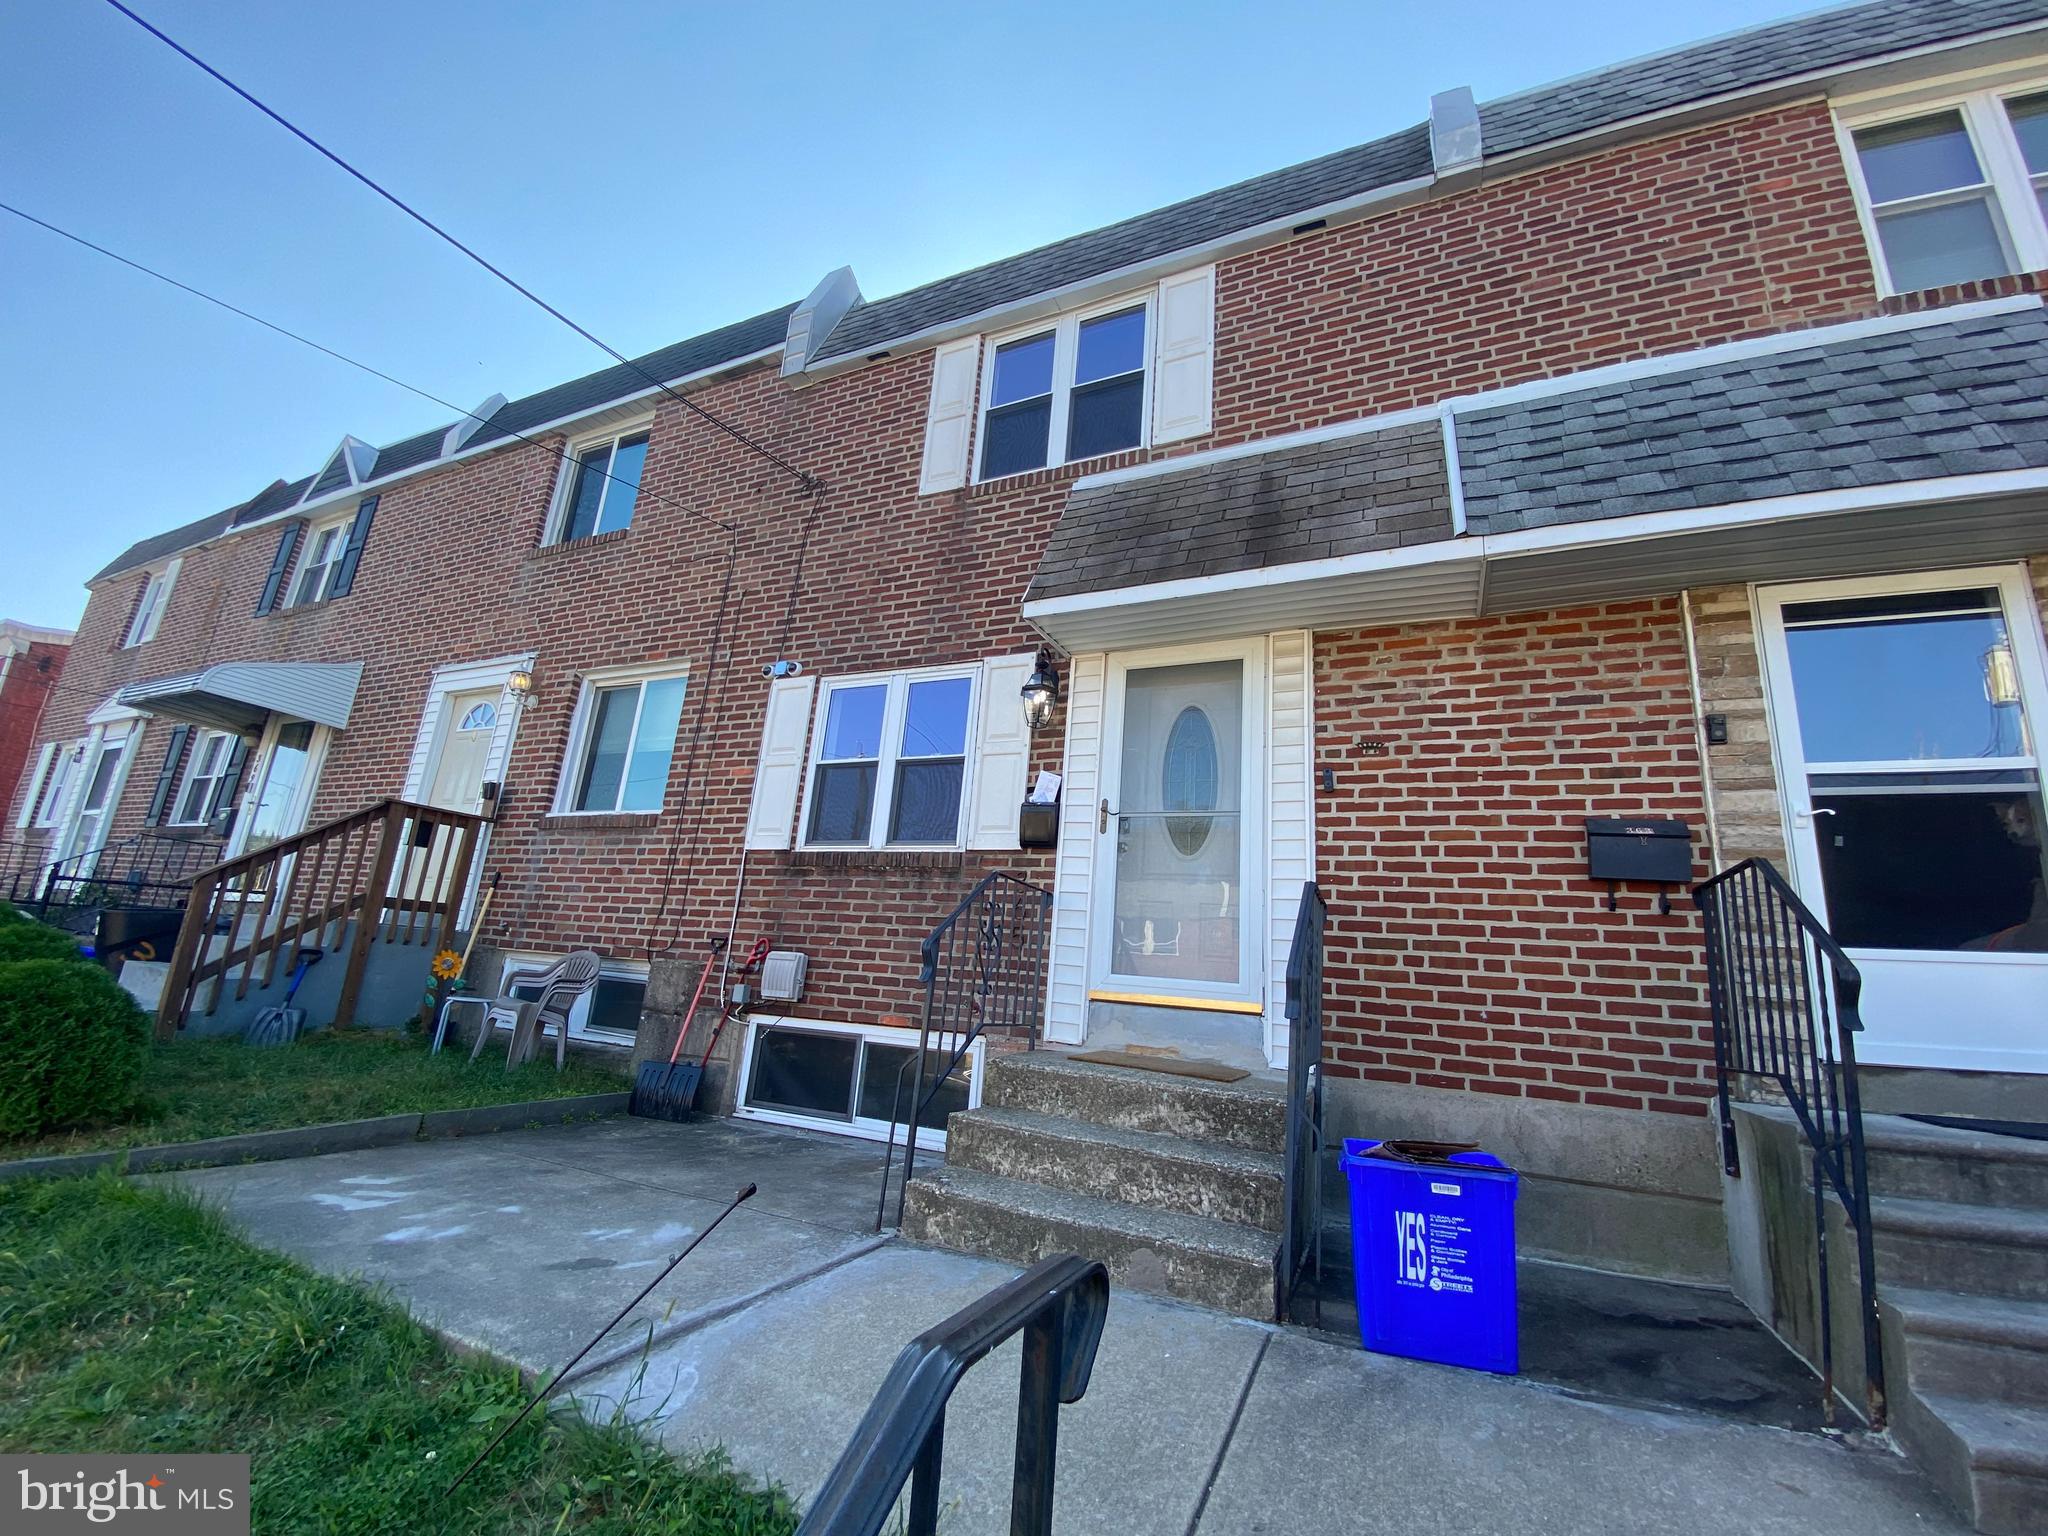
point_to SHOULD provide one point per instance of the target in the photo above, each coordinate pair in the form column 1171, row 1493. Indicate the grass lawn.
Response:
column 135, row 1319
column 218, row 1087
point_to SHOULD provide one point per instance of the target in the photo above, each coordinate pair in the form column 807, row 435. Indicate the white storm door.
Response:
column 1906, row 711
column 1179, row 878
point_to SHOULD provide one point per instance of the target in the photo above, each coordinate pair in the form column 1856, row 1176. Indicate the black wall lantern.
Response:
column 1040, row 692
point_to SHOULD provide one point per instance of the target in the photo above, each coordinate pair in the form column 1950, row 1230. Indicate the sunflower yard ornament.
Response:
column 447, row 965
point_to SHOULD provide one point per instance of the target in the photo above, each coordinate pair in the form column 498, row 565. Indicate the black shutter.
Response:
column 229, row 784
column 167, row 776
column 273, row 585
column 358, row 536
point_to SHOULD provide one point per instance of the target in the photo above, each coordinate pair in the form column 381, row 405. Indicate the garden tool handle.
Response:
column 703, row 976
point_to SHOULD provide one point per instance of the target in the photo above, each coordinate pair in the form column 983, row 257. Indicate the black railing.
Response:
column 1059, row 1306
column 1300, row 1253
column 1785, row 1000
column 149, row 869
column 983, row 972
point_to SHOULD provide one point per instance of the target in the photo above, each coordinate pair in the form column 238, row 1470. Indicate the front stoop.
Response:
column 1960, row 1226
column 1174, row 1183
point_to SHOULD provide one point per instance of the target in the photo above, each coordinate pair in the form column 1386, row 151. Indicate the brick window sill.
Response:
column 874, row 858
column 618, row 821
column 1964, row 293
column 594, row 541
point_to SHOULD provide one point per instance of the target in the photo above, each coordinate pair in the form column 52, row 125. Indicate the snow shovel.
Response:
column 655, row 1091
column 279, row 1024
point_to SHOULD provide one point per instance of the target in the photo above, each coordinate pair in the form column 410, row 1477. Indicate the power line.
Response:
column 808, row 482
column 342, row 357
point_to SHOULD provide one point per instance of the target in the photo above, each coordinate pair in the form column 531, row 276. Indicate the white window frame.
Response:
column 1066, row 331
column 898, row 683
column 571, row 466
column 195, row 754
column 759, row 1024
column 586, row 717
column 2016, row 211
column 149, row 609
column 298, row 595
column 525, row 965
column 44, row 803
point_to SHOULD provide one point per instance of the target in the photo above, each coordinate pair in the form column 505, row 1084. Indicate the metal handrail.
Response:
column 1000, row 984
column 144, row 863
column 1786, row 1002
column 1301, row 1239
column 1060, row 1306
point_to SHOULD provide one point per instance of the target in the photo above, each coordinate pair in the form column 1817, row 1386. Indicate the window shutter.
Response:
column 1002, row 753
column 352, row 552
column 230, row 783
column 37, row 780
column 167, row 776
column 950, row 425
column 273, row 584
column 779, row 777
column 1184, row 356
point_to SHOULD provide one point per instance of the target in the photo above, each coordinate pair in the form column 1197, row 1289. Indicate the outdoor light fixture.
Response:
column 1040, row 692
column 519, row 683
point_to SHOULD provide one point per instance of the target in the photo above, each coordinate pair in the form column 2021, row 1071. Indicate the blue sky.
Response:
column 654, row 169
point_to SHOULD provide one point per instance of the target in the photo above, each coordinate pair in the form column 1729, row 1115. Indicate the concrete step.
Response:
column 1987, row 1347
column 1990, row 1458
column 1977, row 1250
column 1214, row 1263
column 1162, row 1173
column 1934, row 1162
column 1250, row 1113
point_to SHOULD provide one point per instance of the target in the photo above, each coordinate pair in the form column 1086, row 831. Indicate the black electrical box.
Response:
column 1038, row 826
column 1620, row 848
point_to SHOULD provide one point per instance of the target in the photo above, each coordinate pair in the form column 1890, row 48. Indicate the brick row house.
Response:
column 1668, row 446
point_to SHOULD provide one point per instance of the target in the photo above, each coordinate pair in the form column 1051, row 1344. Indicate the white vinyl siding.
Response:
column 1066, row 1020
column 1290, row 802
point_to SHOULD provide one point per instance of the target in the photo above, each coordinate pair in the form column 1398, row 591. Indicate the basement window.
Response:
column 845, row 1078
column 608, row 1014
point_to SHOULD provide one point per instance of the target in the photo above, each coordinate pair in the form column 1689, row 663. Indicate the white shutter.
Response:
column 1002, row 753
column 1184, row 356
column 950, row 424
column 779, row 776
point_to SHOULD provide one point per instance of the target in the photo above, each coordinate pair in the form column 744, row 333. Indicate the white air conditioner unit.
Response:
column 782, row 975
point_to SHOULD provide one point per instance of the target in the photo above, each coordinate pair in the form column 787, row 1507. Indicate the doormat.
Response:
column 1173, row 1066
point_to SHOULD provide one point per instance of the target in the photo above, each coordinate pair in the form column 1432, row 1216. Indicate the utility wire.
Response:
column 807, row 482
column 342, row 357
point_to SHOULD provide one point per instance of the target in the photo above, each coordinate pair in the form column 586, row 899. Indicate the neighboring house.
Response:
column 31, row 662
column 1671, row 444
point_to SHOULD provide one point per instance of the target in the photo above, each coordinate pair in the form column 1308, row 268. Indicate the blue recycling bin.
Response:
column 1433, row 1256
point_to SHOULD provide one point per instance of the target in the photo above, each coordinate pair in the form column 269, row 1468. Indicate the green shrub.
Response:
column 72, row 1045
column 31, row 940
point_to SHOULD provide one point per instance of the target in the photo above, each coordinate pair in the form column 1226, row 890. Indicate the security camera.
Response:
column 782, row 669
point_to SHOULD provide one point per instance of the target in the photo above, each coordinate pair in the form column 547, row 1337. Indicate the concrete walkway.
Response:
column 773, row 1337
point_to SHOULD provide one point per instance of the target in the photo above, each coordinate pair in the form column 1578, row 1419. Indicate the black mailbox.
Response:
column 1038, row 826
column 1653, row 850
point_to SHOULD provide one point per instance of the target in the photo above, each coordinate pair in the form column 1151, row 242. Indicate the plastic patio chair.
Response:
column 560, row 985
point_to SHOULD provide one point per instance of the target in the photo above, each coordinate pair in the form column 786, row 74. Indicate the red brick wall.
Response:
column 32, row 677
column 1466, row 947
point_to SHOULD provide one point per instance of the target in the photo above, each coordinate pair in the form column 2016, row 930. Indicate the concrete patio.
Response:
column 772, row 1338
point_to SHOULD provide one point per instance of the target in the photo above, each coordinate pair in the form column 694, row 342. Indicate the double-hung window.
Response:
column 1073, row 390
column 600, row 485
column 325, row 543
column 889, row 762
column 205, row 767
column 149, row 608
column 1953, row 193
column 63, row 758
column 622, row 743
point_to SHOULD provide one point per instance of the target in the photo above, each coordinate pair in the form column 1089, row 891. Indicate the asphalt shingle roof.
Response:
column 1957, row 399
column 1741, row 61
column 169, row 542
column 1376, row 491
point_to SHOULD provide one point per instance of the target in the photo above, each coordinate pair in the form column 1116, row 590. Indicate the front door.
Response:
column 464, row 751
column 1178, row 892
column 105, row 772
column 1907, row 712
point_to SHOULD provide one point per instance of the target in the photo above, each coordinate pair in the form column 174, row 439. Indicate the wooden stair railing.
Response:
column 397, row 869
